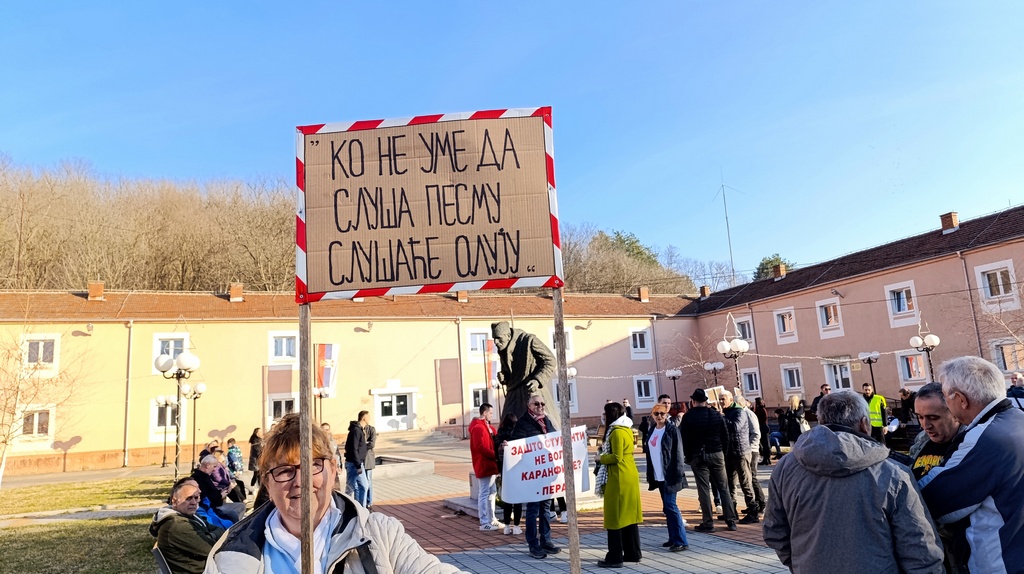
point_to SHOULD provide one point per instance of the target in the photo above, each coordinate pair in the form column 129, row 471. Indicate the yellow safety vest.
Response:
column 876, row 408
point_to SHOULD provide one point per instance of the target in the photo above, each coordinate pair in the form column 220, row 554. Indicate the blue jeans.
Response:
column 676, row 532
column 535, row 511
column 356, row 481
column 369, row 486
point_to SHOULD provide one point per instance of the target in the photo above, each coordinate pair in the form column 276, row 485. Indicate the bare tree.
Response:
column 29, row 390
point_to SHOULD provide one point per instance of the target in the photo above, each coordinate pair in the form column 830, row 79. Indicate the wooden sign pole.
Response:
column 305, row 438
column 567, row 460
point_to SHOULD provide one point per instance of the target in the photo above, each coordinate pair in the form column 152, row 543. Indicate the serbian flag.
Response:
column 327, row 367
column 490, row 365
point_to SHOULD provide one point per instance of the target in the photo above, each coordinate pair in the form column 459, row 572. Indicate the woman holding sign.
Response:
column 621, row 490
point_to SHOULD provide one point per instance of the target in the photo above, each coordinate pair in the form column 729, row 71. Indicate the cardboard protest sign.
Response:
column 532, row 467
column 715, row 395
column 427, row 204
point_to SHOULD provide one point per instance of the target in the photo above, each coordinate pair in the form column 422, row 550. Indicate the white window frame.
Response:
column 749, row 322
column 568, row 343
column 40, row 369
column 574, row 396
column 786, row 388
column 473, row 390
column 829, row 331
column 904, row 376
column 785, row 337
column 156, row 432
column 995, row 303
column 652, row 389
column 756, row 374
column 158, row 337
column 474, row 352
column 645, row 352
column 908, row 318
column 281, row 397
column 34, row 442
column 274, row 359
column 997, row 357
column 830, row 364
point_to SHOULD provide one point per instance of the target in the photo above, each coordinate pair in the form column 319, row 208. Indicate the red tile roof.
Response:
column 980, row 232
column 56, row 306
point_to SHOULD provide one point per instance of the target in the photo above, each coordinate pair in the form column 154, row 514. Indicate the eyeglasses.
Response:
column 537, row 404
column 658, row 414
column 287, row 472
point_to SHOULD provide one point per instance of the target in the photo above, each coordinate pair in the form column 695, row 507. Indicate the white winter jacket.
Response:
column 371, row 543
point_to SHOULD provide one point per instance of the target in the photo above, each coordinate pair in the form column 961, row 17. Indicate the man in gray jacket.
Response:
column 837, row 504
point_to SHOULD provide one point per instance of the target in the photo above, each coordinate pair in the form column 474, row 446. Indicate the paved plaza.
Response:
column 418, row 501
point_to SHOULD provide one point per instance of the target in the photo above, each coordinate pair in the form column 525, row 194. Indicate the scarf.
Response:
column 602, row 469
column 283, row 550
column 540, row 421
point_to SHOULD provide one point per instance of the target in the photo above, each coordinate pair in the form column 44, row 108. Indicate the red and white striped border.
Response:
column 303, row 296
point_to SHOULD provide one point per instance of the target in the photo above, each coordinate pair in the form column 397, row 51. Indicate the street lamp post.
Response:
column 675, row 375
column 926, row 346
column 734, row 350
column 183, row 366
column 164, row 403
column 870, row 359
column 714, row 368
column 193, row 394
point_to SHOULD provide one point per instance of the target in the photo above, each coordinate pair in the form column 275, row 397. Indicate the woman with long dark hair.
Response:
column 619, row 483
column 255, row 448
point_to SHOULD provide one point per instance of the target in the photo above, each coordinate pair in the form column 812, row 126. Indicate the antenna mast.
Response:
column 728, row 233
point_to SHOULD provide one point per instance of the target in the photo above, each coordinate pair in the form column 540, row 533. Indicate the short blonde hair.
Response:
column 281, row 446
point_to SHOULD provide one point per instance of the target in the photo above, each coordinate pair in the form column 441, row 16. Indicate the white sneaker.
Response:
column 551, row 515
column 564, row 518
column 488, row 527
column 516, row 530
column 508, row 530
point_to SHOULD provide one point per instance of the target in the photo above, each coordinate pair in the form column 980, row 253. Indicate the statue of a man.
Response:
column 527, row 366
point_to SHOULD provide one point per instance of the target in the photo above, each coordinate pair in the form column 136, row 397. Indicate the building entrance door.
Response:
column 393, row 412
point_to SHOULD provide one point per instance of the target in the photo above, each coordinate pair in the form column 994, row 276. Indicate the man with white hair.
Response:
column 838, row 504
column 1016, row 391
column 743, row 436
column 983, row 480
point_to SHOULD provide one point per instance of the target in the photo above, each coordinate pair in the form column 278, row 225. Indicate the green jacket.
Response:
column 622, row 491
column 185, row 541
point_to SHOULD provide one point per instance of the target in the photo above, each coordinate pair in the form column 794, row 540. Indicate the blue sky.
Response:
column 836, row 126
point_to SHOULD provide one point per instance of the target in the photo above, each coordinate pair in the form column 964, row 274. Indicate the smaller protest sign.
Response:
column 533, row 470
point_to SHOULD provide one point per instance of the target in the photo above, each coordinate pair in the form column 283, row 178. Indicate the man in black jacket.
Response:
column 216, row 497
column 355, row 458
column 704, row 434
column 535, row 423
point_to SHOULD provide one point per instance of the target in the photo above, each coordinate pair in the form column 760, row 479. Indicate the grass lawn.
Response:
column 112, row 545
column 82, row 495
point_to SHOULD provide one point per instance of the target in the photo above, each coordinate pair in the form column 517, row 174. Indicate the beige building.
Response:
column 80, row 389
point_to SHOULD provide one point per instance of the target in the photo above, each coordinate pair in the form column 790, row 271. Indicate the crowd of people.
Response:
column 840, row 501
